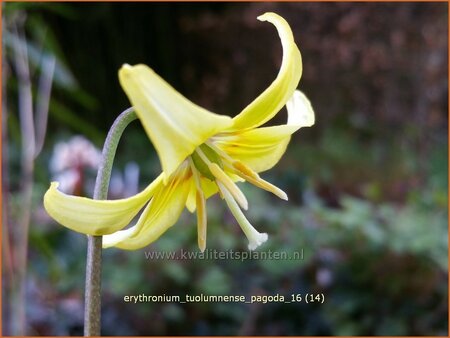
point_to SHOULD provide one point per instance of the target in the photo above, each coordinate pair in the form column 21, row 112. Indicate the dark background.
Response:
column 367, row 184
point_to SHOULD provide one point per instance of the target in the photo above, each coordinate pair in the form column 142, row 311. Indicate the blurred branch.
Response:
column 6, row 247
column 27, row 166
column 23, row 59
column 43, row 100
column 25, row 97
column 62, row 75
column 32, row 140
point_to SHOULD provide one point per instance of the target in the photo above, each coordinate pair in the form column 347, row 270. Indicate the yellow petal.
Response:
column 162, row 212
column 209, row 189
column 262, row 148
column 175, row 125
column 268, row 103
column 95, row 217
column 258, row 159
column 300, row 111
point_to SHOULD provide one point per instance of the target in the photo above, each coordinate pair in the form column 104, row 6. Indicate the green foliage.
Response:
column 382, row 265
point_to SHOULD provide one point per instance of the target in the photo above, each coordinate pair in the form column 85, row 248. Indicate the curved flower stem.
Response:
column 92, row 306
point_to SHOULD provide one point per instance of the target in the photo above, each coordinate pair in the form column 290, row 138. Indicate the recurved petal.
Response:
column 259, row 159
column 175, row 125
column 95, row 217
column 300, row 111
column 162, row 212
column 262, row 148
column 269, row 102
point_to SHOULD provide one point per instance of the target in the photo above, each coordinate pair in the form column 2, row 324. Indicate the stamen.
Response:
column 201, row 220
column 200, row 203
column 195, row 174
column 220, row 175
column 255, row 238
column 244, row 169
column 202, row 156
column 252, row 177
column 219, row 151
column 247, row 173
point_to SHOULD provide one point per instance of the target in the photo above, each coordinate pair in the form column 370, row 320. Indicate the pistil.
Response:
column 255, row 238
column 219, row 175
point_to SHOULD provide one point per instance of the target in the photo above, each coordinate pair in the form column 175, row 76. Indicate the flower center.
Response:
column 211, row 162
column 216, row 165
column 200, row 164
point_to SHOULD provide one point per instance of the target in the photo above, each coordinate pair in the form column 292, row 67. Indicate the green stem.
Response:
column 92, row 309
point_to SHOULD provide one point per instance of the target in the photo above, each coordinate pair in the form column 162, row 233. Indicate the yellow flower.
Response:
column 201, row 153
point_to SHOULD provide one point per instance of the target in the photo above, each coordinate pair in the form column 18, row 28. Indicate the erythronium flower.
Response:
column 201, row 153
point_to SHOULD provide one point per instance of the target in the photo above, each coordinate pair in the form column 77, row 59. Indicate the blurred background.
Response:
column 368, row 184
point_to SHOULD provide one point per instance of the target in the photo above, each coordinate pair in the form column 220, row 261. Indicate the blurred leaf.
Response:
column 61, row 113
column 62, row 75
column 214, row 282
